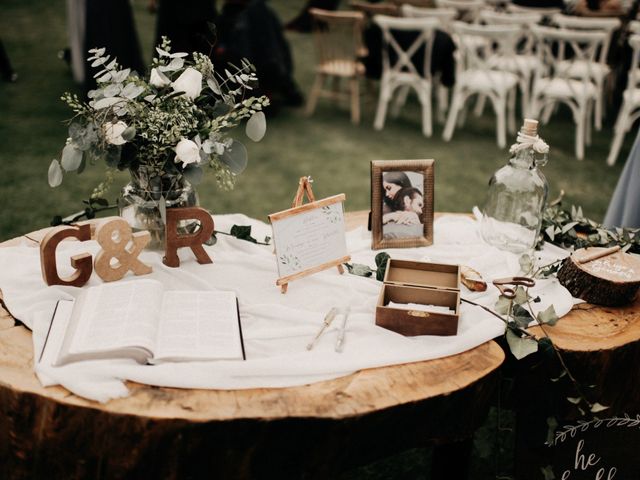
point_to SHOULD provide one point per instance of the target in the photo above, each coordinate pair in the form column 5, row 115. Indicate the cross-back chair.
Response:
column 554, row 83
column 445, row 17
column 630, row 109
column 599, row 68
column 399, row 68
column 476, row 75
column 339, row 48
column 544, row 11
column 468, row 10
column 525, row 61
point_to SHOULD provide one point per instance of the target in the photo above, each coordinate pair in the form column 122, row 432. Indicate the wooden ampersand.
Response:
column 175, row 240
column 81, row 262
column 114, row 238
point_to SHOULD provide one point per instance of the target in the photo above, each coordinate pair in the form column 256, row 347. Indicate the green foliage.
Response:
column 571, row 229
column 170, row 123
column 366, row 271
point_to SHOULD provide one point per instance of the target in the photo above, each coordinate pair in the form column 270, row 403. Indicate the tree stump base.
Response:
column 601, row 276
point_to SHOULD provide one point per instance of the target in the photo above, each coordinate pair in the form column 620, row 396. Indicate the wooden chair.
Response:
column 630, row 109
column 475, row 75
column 398, row 68
column 339, row 48
column 554, row 82
column 599, row 68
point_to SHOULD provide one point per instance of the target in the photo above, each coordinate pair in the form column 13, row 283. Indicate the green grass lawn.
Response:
column 326, row 146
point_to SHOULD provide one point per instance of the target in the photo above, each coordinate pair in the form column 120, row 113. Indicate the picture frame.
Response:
column 401, row 203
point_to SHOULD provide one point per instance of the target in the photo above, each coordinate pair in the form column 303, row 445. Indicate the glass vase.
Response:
column 141, row 201
column 512, row 214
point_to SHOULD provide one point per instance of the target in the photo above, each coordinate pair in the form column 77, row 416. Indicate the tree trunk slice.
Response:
column 255, row 433
column 610, row 280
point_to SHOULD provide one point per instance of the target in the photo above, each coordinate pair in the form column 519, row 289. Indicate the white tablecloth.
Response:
column 276, row 327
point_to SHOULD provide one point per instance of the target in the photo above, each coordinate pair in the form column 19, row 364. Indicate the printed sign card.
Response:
column 309, row 238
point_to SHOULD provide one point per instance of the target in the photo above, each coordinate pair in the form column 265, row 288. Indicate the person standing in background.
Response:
column 97, row 24
column 186, row 23
column 6, row 70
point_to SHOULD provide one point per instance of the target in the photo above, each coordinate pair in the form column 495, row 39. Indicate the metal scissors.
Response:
column 507, row 286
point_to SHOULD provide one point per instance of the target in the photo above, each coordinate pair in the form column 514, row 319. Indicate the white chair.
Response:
column 475, row 75
column 526, row 61
column 445, row 17
column 630, row 109
column 468, row 10
column 399, row 70
column 552, row 84
column 544, row 11
column 599, row 68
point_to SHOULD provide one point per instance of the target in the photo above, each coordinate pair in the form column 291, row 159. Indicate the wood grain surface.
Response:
column 309, row 431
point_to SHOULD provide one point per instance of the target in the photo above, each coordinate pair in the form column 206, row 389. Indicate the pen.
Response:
column 340, row 340
column 327, row 321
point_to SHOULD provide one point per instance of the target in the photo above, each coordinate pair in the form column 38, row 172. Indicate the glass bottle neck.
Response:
column 523, row 159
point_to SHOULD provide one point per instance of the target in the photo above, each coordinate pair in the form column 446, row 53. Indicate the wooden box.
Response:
column 423, row 283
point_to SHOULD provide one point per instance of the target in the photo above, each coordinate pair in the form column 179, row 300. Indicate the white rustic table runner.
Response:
column 276, row 327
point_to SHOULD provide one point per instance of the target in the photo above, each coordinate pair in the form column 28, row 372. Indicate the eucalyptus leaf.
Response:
column 243, row 232
column 256, row 126
column 107, row 102
column 193, row 174
column 521, row 316
column 359, row 269
column 71, row 157
column 547, row 473
column 503, row 305
column 548, row 316
column 131, row 90
column 381, row 260
column 521, row 295
column 129, row 133
column 521, row 346
column 235, row 157
column 213, row 85
column 112, row 90
column 597, row 407
column 55, row 173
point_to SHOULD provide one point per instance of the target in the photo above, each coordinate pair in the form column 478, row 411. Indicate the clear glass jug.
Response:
column 512, row 214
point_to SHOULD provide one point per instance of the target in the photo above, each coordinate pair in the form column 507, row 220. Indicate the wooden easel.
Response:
column 304, row 188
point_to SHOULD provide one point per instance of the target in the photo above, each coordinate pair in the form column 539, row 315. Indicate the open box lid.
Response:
column 422, row 274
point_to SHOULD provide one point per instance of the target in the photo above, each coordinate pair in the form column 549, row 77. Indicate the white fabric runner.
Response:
column 276, row 327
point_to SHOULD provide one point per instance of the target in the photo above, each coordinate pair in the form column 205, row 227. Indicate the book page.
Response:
column 117, row 315
column 198, row 325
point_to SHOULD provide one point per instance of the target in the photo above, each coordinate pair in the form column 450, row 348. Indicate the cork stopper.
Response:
column 530, row 127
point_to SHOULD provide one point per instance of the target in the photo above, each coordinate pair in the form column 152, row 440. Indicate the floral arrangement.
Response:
column 167, row 126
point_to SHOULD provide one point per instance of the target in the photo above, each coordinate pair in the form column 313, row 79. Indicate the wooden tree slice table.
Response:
column 311, row 431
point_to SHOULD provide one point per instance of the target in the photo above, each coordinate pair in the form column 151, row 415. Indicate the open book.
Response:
column 139, row 320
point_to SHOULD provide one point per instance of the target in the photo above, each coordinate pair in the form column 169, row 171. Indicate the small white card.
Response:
column 309, row 237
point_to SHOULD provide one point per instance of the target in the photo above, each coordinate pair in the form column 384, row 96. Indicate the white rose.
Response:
column 158, row 79
column 113, row 132
column 189, row 82
column 187, row 152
